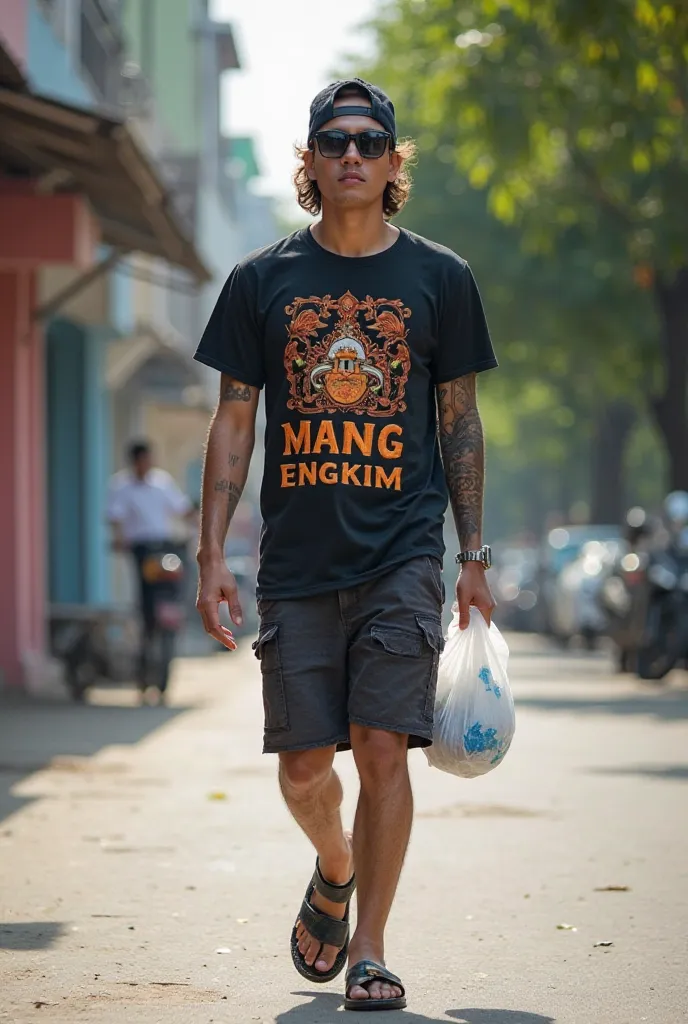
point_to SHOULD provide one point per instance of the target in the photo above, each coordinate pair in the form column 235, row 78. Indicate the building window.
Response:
column 55, row 13
column 100, row 47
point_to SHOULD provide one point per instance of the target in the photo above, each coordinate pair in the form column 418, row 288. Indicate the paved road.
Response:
column 137, row 843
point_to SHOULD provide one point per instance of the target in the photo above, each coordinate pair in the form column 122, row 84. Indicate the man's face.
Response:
column 352, row 181
column 143, row 464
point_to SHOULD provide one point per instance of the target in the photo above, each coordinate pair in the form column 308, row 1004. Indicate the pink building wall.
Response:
column 13, row 22
column 40, row 229
column 22, row 509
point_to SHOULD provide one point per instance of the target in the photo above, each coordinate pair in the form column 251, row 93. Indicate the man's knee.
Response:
column 379, row 755
column 302, row 771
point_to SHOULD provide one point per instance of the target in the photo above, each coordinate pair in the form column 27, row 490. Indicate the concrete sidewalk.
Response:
column 151, row 874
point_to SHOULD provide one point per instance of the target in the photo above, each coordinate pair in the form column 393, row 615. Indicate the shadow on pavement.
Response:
column 672, row 772
column 325, row 1004
column 665, row 706
column 34, row 732
column 30, row 934
column 476, row 1016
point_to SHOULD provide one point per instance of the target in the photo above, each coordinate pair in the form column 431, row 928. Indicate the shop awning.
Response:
column 10, row 72
column 67, row 148
column 126, row 356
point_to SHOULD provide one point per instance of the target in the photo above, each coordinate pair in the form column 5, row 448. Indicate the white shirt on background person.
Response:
column 146, row 509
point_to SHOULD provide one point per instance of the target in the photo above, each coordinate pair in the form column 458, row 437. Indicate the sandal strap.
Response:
column 328, row 930
column 365, row 971
column 332, row 892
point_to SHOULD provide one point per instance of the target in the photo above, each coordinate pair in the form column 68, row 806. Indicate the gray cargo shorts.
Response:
column 367, row 654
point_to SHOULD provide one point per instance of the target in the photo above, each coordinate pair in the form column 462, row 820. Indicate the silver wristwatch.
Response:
column 484, row 556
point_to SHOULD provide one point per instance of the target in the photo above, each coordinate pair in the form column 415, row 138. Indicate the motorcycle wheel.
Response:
column 165, row 652
column 79, row 677
column 654, row 662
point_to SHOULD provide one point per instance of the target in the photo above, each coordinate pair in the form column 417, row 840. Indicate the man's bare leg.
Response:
column 313, row 793
column 381, row 835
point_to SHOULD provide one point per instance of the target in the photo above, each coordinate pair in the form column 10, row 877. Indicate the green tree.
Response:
column 560, row 329
column 572, row 115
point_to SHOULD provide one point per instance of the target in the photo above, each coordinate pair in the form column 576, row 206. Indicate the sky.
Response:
column 288, row 49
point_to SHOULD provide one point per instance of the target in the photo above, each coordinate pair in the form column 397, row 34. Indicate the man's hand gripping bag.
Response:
column 474, row 708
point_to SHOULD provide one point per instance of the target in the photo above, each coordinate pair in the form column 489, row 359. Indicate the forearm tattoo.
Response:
column 463, row 454
column 233, row 391
column 233, row 492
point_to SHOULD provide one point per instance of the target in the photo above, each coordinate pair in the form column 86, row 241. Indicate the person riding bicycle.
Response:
column 143, row 508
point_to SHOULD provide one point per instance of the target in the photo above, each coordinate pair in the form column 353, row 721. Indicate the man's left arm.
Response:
column 463, row 454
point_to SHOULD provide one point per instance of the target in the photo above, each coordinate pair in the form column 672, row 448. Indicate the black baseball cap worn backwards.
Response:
column 380, row 106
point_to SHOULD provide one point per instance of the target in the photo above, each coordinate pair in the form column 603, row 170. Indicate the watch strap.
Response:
column 483, row 555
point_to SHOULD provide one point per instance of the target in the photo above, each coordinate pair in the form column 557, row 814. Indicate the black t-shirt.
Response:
column 350, row 351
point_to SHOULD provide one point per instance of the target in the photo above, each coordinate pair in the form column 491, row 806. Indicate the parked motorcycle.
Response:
column 98, row 645
column 93, row 643
column 665, row 639
column 624, row 593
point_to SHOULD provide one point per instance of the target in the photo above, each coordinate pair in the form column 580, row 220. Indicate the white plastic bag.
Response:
column 474, row 708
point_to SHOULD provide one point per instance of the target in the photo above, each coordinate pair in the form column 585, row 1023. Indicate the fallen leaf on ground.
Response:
column 603, row 944
column 219, row 795
column 613, row 888
column 566, row 928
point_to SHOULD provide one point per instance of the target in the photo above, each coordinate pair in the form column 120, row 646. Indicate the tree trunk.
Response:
column 615, row 422
column 671, row 407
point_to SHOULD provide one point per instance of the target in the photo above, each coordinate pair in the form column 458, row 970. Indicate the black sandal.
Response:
column 329, row 931
column 365, row 972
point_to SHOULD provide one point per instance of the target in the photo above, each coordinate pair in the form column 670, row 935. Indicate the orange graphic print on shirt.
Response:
column 333, row 361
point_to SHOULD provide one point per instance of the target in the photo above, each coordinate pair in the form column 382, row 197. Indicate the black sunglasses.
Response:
column 371, row 144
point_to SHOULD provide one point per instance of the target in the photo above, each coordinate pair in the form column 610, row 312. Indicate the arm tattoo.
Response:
column 233, row 459
column 233, row 492
column 235, row 392
column 463, row 454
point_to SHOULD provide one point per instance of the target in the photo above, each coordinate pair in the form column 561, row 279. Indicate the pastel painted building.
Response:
column 79, row 194
column 183, row 54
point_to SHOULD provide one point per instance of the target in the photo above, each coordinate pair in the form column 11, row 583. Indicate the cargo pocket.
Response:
column 398, row 641
column 266, row 649
column 425, row 643
column 432, row 636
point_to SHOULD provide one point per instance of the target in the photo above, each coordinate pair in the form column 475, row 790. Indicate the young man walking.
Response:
column 361, row 333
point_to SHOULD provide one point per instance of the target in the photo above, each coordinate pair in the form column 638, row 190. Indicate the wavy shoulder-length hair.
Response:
column 395, row 196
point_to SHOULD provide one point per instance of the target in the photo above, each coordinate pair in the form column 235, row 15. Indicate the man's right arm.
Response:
column 227, row 458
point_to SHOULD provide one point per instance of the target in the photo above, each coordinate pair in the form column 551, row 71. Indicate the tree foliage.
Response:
column 568, row 119
column 561, row 336
column 568, row 111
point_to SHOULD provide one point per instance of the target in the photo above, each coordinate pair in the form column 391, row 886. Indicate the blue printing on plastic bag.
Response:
column 476, row 741
column 486, row 677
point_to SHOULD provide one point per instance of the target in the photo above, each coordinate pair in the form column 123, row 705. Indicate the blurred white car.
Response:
column 575, row 609
column 514, row 584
